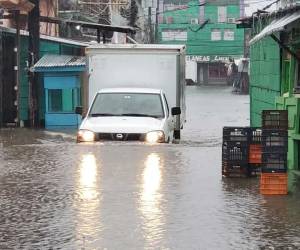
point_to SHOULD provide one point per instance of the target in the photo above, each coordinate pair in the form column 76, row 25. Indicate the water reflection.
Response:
column 89, row 202
column 88, row 177
column 151, row 198
column 151, row 178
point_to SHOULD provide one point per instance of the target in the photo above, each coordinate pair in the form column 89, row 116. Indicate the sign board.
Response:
column 211, row 58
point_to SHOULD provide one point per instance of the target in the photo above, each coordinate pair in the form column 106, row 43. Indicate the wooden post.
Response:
column 1, row 82
column 33, row 57
column 98, row 35
column 104, row 37
column 17, row 66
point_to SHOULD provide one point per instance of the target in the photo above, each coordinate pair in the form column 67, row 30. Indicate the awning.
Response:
column 121, row 29
column 276, row 26
column 60, row 62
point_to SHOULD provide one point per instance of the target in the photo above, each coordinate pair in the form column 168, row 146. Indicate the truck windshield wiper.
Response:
column 103, row 114
column 141, row 115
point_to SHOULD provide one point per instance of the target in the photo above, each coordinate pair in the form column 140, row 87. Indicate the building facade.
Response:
column 287, row 3
column 275, row 71
column 209, row 31
column 14, row 102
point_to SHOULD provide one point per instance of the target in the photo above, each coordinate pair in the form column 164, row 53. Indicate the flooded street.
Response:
column 56, row 194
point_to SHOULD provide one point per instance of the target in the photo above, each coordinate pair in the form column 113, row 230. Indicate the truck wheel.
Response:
column 168, row 140
column 177, row 134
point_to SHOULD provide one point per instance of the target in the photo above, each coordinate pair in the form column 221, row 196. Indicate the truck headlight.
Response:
column 155, row 136
column 85, row 136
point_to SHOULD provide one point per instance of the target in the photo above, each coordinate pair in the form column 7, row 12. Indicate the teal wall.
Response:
column 199, row 40
column 69, row 84
column 46, row 47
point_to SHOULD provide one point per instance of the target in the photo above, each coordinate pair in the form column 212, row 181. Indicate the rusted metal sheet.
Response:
column 22, row 5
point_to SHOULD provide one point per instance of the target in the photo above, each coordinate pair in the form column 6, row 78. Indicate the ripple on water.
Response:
column 57, row 194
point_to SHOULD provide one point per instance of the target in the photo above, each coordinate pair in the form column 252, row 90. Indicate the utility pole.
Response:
column 110, row 11
column 98, row 35
column 150, row 25
column 156, row 21
column 33, row 56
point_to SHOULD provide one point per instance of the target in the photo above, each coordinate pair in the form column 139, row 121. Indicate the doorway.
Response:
column 202, row 73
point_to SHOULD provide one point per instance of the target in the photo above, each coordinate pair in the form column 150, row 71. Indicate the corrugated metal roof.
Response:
column 276, row 25
column 51, row 61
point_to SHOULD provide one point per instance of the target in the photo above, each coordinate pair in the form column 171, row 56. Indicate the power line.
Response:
column 168, row 11
column 199, row 5
column 256, row 1
column 269, row 5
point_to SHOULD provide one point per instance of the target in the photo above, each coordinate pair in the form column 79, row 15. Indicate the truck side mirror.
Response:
column 78, row 110
column 176, row 111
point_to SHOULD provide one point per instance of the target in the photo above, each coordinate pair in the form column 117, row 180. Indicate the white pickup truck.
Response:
column 129, row 114
column 136, row 92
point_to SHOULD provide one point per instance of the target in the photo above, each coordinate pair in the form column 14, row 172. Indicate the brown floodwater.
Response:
column 56, row 194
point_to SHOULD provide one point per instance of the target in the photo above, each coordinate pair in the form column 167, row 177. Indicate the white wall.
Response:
column 191, row 70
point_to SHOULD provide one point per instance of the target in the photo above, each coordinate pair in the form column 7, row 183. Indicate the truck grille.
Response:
column 120, row 137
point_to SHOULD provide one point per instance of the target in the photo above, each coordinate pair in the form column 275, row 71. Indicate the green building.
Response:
column 275, row 70
column 209, row 31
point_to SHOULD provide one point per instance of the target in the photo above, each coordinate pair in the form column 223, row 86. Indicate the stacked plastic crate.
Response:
column 255, row 151
column 235, row 152
column 273, row 179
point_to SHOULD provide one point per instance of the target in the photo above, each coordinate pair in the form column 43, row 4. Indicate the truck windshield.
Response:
column 127, row 104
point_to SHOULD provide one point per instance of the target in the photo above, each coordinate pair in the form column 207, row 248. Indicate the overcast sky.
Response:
column 253, row 5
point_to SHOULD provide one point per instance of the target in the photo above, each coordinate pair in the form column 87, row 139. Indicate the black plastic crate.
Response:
column 255, row 134
column 274, row 162
column 235, row 170
column 235, row 152
column 275, row 119
column 274, row 140
column 254, row 169
column 236, row 134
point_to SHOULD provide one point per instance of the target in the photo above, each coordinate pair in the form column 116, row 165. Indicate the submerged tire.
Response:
column 177, row 134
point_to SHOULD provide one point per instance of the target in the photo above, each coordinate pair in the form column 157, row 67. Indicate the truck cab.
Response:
column 129, row 114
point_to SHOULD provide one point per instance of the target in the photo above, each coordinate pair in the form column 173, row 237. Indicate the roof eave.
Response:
column 48, row 38
column 59, row 69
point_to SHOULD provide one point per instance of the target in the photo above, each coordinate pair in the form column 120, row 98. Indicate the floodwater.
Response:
column 56, row 194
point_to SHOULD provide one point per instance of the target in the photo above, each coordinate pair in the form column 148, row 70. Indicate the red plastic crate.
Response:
column 255, row 152
column 273, row 183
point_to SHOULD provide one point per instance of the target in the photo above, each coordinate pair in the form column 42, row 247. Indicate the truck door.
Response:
column 170, row 118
